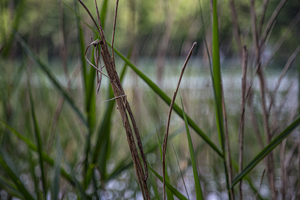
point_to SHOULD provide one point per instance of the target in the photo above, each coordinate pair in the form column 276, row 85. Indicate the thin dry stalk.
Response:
column 283, row 169
column 113, row 36
column 283, row 37
column 272, row 20
column 263, row 87
column 169, row 119
column 242, row 122
column 262, row 17
column 284, row 71
column 236, row 29
column 261, row 180
column 228, row 154
column 254, row 121
column 123, row 107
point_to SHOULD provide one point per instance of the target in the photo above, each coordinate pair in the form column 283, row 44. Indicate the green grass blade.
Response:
column 78, row 16
column 198, row 189
column 217, row 81
column 217, row 87
column 35, row 178
column 55, row 186
column 46, row 158
column 38, row 141
column 103, row 13
column 276, row 141
column 6, row 163
column 10, row 188
column 167, row 99
column 51, row 77
column 169, row 186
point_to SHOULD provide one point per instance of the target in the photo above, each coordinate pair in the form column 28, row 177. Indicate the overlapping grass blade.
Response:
column 100, row 154
column 198, row 189
column 7, row 165
column 38, row 141
column 174, row 191
column 51, row 77
column 276, row 141
column 46, row 158
column 123, row 165
column 159, row 92
column 10, row 188
column 167, row 99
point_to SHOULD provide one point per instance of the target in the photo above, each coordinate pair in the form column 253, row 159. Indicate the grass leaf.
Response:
column 7, row 165
column 46, row 158
column 198, row 189
column 276, row 141
column 167, row 100
column 38, row 140
column 169, row 186
column 51, row 77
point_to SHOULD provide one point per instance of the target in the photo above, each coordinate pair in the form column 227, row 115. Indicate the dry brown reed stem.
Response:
column 262, row 83
column 283, row 169
column 123, row 107
column 242, row 118
column 228, row 154
column 261, row 180
column 272, row 20
column 284, row 71
column 254, row 122
column 169, row 119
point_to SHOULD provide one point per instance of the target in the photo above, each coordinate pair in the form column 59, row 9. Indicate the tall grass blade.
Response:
column 38, row 141
column 46, row 158
column 7, row 165
column 169, row 186
column 55, row 186
column 218, row 90
column 276, row 141
column 52, row 78
column 167, row 100
column 198, row 189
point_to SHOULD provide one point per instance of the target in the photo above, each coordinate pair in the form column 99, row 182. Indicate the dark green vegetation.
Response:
column 60, row 140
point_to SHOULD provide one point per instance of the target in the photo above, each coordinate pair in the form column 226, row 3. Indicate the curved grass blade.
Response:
column 6, row 163
column 266, row 151
column 169, row 186
column 167, row 99
column 198, row 189
column 52, row 78
column 46, row 158
column 38, row 140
